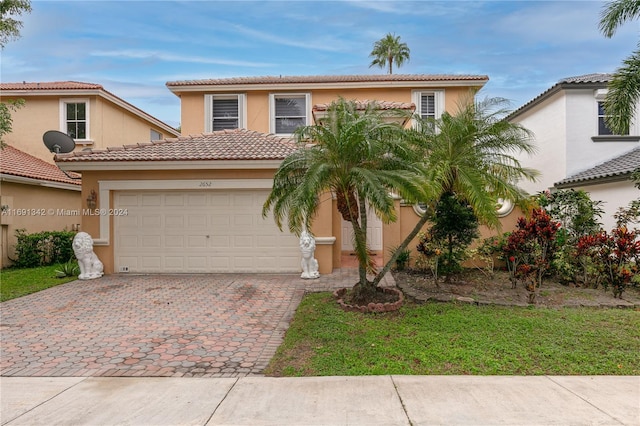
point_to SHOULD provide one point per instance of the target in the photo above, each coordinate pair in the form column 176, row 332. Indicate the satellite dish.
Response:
column 58, row 142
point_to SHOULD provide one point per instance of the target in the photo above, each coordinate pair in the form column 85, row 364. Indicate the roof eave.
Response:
column 556, row 88
column 176, row 89
column 93, row 92
column 593, row 181
column 4, row 177
column 79, row 165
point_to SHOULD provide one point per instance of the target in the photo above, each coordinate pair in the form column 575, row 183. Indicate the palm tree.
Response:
column 356, row 155
column 624, row 88
column 387, row 50
column 472, row 155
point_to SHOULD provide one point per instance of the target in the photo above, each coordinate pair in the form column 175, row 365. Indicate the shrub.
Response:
column 615, row 256
column 530, row 248
column 402, row 261
column 43, row 248
column 455, row 226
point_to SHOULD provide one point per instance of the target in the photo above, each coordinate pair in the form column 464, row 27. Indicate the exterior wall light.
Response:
column 92, row 200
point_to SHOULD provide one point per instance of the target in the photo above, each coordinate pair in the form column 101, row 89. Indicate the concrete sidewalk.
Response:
column 369, row 400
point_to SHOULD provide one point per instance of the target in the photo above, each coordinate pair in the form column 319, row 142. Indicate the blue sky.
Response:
column 133, row 48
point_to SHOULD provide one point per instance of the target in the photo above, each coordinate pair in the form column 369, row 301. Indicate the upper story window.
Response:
column 155, row 135
column 603, row 129
column 429, row 103
column 288, row 112
column 74, row 118
column 224, row 112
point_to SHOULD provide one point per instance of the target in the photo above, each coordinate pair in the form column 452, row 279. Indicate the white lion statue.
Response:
column 309, row 263
column 90, row 265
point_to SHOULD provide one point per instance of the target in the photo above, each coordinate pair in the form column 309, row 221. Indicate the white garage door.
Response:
column 200, row 231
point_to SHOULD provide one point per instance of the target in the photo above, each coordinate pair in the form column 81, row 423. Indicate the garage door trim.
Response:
column 106, row 186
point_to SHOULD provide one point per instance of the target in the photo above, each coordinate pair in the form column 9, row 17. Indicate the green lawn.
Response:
column 20, row 282
column 448, row 338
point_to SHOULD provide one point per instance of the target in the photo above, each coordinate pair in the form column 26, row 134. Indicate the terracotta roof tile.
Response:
column 18, row 163
column 23, row 88
column 51, row 85
column 328, row 79
column 363, row 104
column 238, row 144
column 618, row 166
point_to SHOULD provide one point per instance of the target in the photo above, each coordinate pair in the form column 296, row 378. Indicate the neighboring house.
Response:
column 36, row 196
column 568, row 123
column 608, row 182
column 205, row 215
column 91, row 115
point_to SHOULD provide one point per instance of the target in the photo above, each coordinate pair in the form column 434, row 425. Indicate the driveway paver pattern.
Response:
column 207, row 325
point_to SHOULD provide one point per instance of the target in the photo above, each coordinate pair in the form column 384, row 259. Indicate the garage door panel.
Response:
column 173, row 221
column 151, row 241
column 151, row 262
column 242, row 242
column 196, row 241
column 150, row 221
column 174, row 200
column 150, row 200
column 200, row 231
column 174, row 241
column 174, row 263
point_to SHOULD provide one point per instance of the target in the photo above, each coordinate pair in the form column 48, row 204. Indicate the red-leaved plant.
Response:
column 616, row 256
column 529, row 250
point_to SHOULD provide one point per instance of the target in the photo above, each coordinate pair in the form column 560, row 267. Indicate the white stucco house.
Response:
column 575, row 149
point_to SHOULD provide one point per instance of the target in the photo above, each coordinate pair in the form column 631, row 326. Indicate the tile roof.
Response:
column 363, row 104
column 599, row 80
column 237, row 144
column 28, row 88
column 616, row 167
column 328, row 79
column 18, row 163
column 51, row 85
column 588, row 78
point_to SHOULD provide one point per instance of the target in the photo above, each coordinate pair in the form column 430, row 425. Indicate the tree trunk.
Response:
column 399, row 249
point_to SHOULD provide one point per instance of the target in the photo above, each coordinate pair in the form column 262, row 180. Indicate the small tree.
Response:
column 455, row 226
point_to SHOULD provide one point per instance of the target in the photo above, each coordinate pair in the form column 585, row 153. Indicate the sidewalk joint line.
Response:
column 404, row 407
column 585, row 400
column 221, row 401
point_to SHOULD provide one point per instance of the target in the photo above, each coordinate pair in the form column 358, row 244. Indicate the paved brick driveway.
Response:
column 154, row 325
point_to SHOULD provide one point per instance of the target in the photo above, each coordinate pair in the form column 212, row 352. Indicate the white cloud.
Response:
column 171, row 57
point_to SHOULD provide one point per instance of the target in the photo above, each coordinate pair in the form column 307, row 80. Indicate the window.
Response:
column 224, row 112
column 429, row 103
column 155, row 135
column 74, row 118
column 602, row 125
column 288, row 112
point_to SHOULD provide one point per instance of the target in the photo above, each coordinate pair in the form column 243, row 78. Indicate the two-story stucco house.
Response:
column 193, row 204
column 92, row 116
column 573, row 141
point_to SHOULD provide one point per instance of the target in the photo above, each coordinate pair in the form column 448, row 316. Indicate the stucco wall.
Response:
column 547, row 122
column 582, row 124
column 614, row 195
column 192, row 104
column 48, row 203
column 109, row 124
